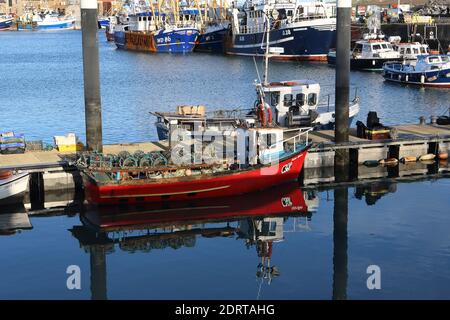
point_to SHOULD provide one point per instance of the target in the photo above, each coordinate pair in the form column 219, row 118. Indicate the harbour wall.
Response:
column 439, row 31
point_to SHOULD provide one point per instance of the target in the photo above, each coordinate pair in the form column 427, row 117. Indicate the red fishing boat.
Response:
column 131, row 185
column 286, row 199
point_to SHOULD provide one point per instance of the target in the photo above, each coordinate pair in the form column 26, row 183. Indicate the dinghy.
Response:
column 12, row 186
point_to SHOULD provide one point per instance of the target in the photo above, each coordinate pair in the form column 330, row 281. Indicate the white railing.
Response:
column 297, row 138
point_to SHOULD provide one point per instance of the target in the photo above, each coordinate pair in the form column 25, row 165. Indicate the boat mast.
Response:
column 266, row 55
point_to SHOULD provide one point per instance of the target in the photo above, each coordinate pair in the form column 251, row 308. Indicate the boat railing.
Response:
column 297, row 138
column 302, row 137
column 229, row 113
column 328, row 104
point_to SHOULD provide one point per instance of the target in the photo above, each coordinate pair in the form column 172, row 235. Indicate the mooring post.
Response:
column 91, row 73
column 342, row 79
column 340, row 258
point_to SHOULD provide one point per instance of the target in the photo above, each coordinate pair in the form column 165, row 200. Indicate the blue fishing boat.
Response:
column 212, row 39
column 306, row 30
column 5, row 23
column 159, row 32
column 428, row 71
column 103, row 22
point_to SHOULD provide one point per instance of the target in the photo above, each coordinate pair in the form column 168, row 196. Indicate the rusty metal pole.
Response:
column 342, row 79
column 91, row 73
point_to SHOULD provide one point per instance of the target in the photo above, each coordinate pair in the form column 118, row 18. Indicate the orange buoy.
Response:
column 388, row 161
column 408, row 159
column 5, row 174
column 443, row 155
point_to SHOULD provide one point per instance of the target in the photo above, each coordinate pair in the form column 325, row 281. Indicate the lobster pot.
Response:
column 34, row 145
column 12, row 143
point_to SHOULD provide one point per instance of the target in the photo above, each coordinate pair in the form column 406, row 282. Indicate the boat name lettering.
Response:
column 286, row 202
column 286, row 167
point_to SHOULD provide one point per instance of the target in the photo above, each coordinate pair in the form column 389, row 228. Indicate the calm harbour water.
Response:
column 400, row 227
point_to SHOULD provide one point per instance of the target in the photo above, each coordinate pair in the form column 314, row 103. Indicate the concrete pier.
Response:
column 53, row 171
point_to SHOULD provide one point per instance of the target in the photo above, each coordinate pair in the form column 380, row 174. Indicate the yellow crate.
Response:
column 70, row 147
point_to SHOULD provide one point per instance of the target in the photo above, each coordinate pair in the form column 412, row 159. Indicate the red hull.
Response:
column 286, row 199
column 197, row 187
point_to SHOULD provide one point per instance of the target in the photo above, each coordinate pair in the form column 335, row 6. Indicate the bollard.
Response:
column 422, row 120
column 433, row 119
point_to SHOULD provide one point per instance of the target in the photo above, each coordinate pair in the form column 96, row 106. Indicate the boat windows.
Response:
column 269, row 139
column 416, row 50
column 408, row 50
column 445, row 59
column 358, row 47
column 300, row 99
column 423, row 50
column 287, row 102
column 433, row 59
column 312, row 99
column 274, row 99
column 290, row 13
column 376, row 47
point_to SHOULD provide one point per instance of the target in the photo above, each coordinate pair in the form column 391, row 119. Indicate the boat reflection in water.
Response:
column 374, row 191
column 258, row 218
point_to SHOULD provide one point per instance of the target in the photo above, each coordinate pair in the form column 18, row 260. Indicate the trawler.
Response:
column 171, row 29
column 306, row 30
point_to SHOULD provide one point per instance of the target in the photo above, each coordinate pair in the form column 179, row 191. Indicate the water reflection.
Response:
column 269, row 224
column 258, row 219
column 13, row 219
column 374, row 191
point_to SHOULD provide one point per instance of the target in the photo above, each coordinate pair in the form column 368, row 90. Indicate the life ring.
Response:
column 269, row 116
column 261, row 115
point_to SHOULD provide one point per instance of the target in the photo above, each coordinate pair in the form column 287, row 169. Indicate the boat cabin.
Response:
column 145, row 21
column 432, row 62
column 410, row 51
column 292, row 101
column 374, row 48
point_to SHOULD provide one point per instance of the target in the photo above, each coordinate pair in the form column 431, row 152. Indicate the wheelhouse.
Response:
column 291, row 98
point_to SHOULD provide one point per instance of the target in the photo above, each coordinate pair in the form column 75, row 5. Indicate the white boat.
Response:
column 50, row 22
column 12, row 186
column 369, row 53
column 410, row 50
column 5, row 22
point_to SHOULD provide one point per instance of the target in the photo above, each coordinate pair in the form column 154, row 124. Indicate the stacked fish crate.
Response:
column 12, row 143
